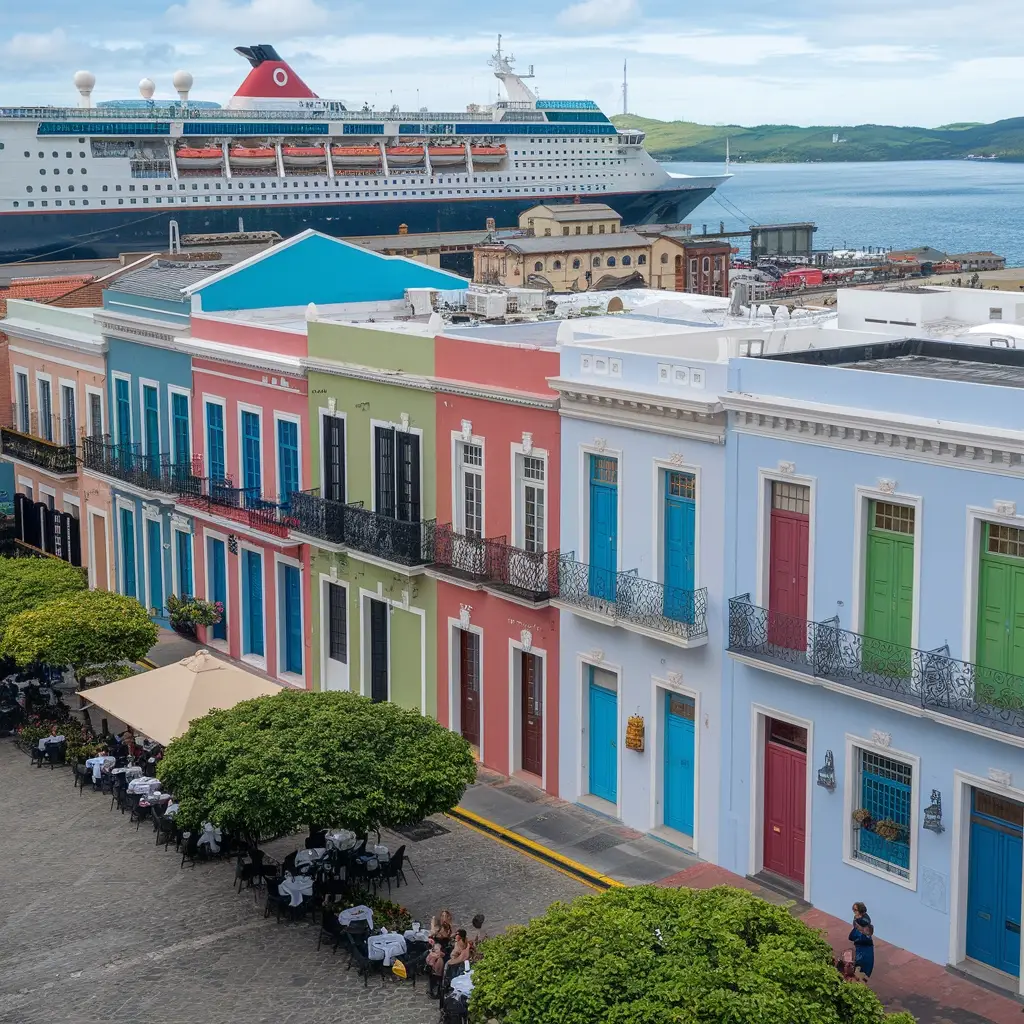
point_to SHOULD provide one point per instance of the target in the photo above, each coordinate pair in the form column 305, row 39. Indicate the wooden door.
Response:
column 1000, row 652
column 532, row 752
column 680, row 538
column 785, row 796
column 604, row 514
column 889, row 588
column 99, row 553
column 603, row 762
column 469, row 686
column 787, row 566
column 679, row 763
column 218, row 584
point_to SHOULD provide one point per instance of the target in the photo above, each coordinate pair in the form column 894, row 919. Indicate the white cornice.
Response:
column 943, row 442
column 254, row 358
column 76, row 342
column 666, row 414
column 423, row 382
column 138, row 329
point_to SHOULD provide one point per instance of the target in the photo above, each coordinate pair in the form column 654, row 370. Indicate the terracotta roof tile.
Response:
column 43, row 288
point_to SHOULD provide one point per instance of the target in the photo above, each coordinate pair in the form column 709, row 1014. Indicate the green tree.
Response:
column 649, row 955
column 271, row 765
column 92, row 631
column 27, row 583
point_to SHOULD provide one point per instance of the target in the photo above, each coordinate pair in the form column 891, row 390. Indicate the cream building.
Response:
column 560, row 219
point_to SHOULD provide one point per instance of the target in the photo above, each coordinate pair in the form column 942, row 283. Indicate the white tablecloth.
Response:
column 296, row 886
column 132, row 771
column 420, row 936
column 463, row 983
column 307, row 858
column 210, row 838
column 385, row 947
column 352, row 914
column 341, row 839
column 96, row 764
column 144, row 784
column 47, row 740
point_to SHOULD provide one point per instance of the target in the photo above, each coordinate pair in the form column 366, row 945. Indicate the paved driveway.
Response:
column 99, row 925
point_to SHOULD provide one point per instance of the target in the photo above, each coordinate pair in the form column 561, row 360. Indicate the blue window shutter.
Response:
column 287, row 459
column 151, row 414
column 290, row 597
column 184, row 553
column 251, row 454
column 124, row 411
column 182, row 450
column 215, row 441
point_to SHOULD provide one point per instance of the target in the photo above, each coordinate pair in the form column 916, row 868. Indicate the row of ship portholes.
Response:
column 627, row 261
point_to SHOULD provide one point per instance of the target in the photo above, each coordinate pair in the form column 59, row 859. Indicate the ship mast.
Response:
column 625, row 90
column 515, row 88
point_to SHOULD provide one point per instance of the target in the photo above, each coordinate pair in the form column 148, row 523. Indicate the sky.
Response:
column 717, row 62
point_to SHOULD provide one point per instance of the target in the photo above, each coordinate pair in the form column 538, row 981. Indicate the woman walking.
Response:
column 863, row 941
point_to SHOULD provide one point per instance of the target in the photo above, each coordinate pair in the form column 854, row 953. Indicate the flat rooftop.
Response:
column 922, row 357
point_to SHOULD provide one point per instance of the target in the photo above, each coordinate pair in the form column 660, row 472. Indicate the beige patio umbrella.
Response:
column 161, row 703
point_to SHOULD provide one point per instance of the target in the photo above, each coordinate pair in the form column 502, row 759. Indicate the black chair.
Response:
column 108, row 781
column 190, row 851
column 37, row 754
column 394, row 869
column 56, row 753
column 363, row 964
column 415, row 964
column 165, row 830
column 288, row 865
column 82, row 776
column 276, row 900
column 119, row 795
column 330, row 928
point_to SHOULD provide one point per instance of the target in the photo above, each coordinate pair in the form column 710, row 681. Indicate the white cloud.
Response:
column 291, row 17
column 36, row 46
column 599, row 13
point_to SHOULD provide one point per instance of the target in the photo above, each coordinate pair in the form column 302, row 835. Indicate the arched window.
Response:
column 575, row 264
column 627, row 260
column 641, row 259
column 611, row 261
column 538, row 266
column 706, row 264
column 597, row 261
column 557, row 265
column 664, row 257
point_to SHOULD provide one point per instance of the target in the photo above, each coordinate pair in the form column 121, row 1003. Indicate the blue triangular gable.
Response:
column 317, row 268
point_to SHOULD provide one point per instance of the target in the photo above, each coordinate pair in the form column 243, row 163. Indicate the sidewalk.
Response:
column 587, row 842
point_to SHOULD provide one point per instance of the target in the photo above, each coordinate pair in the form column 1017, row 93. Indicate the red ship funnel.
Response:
column 270, row 78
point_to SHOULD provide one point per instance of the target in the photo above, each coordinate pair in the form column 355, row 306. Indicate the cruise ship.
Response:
column 123, row 176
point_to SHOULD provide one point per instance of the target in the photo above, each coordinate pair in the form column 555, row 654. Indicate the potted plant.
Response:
column 186, row 613
column 861, row 818
column 889, row 829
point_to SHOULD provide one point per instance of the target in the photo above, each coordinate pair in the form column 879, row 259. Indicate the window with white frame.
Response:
column 68, row 415
column 21, row 380
column 883, row 802
column 531, row 499
column 94, row 412
column 45, row 409
column 469, row 476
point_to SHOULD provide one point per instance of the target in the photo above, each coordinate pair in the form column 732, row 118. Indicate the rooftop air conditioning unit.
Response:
column 422, row 300
column 528, row 299
column 486, row 304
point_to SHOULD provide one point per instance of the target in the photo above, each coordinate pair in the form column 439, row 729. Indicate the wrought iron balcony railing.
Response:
column 60, row 459
column 925, row 679
column 243, row 504
column 531, row 575
column 316, row 516
column 457, row 555
column 628, row 597
column 127, row 462
column 391, row 539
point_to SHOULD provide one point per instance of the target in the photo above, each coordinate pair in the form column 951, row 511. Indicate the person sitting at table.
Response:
column 441, row 928
column 53, row 737
column 458, row 961
column 435, row 968
column 477, row 937
column 99, row 764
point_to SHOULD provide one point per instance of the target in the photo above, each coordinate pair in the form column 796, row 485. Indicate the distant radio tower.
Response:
column 625, row 90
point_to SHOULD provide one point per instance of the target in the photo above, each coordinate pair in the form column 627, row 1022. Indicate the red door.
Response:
column 785, row 794
column 533, row 716
column 787, row 566
column 469, row 685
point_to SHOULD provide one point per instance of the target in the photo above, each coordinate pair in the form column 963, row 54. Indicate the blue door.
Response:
column 604, row 514
column 181, row 441
column 154, row 554
column 215, row 441
column 252, row 603
column 603, row 749
column 994, row 882
column 151, row 419
column 287, row 459
column 680, row 494
column 679, row 781
column 290, row 599
column 218, row 583
column 124, row 411
column 251, row 458
column 128, row 553
column 183, row 553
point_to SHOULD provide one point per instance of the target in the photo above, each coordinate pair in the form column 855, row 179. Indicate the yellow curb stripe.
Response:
column 146, row 663
column 572, row 868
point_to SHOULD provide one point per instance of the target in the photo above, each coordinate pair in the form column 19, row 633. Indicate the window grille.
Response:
column 791, row 497
column 1005, row 540
column 885, row 795
column 895, row 518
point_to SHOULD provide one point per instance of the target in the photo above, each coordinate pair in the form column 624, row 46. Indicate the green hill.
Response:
column 782, row 143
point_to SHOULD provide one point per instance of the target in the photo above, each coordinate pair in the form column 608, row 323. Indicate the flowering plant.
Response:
column 190, row 612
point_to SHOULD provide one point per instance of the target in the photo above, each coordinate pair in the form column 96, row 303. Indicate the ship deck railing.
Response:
column 157, row 112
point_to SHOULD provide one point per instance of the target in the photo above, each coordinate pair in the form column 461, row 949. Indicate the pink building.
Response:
column 498, row 442
column 250, row 412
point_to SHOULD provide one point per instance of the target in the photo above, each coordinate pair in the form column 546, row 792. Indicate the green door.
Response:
column 889, row 589
column 1001, row 617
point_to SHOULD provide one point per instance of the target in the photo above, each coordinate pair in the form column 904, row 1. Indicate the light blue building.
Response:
column 874, row 684
column 640, row 581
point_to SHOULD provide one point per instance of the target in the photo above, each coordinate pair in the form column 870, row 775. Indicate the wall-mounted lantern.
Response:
column 933, row 814
column 827, row 773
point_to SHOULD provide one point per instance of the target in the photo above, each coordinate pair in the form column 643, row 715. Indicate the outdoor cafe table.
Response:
column 341, row 839
column 145, row 785
column 305, row 859
column 132, row 771
column 353, row 914
column 463, row 983
column 385, row 947
column 296, row 886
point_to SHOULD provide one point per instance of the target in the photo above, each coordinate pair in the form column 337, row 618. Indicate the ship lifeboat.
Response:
column 354, row 156
column 447, row 156
column 488, row 156
column 189, row 159
column 303, row 156
column 257, row 156
column 405, row 156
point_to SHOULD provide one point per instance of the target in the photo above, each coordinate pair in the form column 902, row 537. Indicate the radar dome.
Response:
column 84, row 80
column 182, row 81
column 147, row 88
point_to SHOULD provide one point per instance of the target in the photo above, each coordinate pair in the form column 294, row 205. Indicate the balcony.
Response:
column 626, row 599
column 244, row 505
column 929, row 680
column 58, row 459
column 127, row 463
column 357, row 528
column 494, row 564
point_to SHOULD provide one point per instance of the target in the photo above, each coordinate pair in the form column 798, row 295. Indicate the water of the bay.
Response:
column 953, row 205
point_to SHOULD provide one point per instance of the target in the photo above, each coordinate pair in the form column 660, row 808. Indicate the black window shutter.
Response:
column 384, row 484
column 334, row 458
column 409, row 477
column 337, row 623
